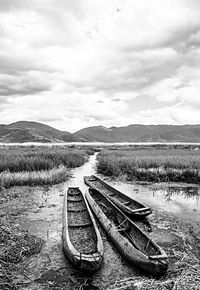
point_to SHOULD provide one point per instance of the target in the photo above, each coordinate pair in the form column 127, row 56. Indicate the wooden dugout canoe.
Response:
column 134, row 245
column 128, row 205
column 82, row 241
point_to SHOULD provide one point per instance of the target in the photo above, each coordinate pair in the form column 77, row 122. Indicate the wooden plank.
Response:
column 77, row 210
column 140, row 209
column 80, row 225
column 158, row 257
column 126, row 203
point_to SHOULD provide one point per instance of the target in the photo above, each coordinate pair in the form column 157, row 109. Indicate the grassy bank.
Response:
column 151, row 164
column 188, row 278
column 38, row 166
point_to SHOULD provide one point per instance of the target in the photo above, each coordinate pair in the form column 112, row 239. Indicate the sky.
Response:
column 78, row 63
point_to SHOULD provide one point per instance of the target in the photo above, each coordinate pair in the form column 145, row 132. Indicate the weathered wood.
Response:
column 128, row 205
column 80, row 225
column 134, row 245
column 81, row 259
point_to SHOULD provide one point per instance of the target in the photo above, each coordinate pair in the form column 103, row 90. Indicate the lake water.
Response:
column 97, row 144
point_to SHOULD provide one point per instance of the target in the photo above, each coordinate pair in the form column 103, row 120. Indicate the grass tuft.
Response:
column 186, row 275
column 43, row 177
column 16, row 245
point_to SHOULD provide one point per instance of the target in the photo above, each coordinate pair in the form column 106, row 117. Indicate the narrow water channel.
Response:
column 45, row 218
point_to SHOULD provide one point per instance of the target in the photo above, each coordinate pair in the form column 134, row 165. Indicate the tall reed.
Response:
column 151, row 164
column 38, row 166
column 36, row 159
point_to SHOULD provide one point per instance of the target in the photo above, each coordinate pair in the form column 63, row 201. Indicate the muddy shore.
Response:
column 39, row 210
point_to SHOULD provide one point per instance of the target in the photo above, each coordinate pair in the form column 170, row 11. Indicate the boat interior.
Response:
column 80, row 227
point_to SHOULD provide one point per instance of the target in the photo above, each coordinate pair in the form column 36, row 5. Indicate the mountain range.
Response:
column 25, row 131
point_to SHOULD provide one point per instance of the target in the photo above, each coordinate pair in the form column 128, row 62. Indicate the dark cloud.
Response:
column 3, row 100
column 116, row 100
column 23, row 90
column 6, row 5
column 24, row 84
column 50, row 118
column 97, row 117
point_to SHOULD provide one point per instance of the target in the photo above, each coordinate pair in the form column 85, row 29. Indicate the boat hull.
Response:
column 156, row 265
column 134, row 210
column 80, row 259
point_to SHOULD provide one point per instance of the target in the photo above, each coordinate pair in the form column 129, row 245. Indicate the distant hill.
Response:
column 141, row 133
column 24, row 131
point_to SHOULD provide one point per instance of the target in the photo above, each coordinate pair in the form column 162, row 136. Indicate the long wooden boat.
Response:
column 128, row 205
column 82, row 241
column 134, row 244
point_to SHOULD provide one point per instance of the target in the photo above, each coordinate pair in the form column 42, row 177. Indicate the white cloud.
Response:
column 81, row 63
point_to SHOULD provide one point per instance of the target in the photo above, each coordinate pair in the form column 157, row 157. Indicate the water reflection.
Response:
column 179, row 200
column 187, row 192
column 78, row 173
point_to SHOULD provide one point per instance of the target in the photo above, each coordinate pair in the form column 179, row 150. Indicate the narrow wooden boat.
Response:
column 82, row 241
column 134, row 244
column 128, row 205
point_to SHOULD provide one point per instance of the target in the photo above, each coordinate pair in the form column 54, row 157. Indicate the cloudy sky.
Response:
column 78, row 63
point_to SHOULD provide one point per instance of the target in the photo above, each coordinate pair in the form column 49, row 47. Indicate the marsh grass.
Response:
column 187, row 277
column 38, row 166
column 19, row 159
column 43, row 177
column 151, row 164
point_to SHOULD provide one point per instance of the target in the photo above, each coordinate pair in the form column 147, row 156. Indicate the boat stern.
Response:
column 90, row 262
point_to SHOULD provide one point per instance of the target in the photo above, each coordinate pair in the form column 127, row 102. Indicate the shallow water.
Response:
column 46, row 216
column 87, row 169
column 183, row 201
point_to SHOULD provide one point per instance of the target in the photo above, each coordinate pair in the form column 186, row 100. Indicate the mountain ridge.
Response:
column 30, row 131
